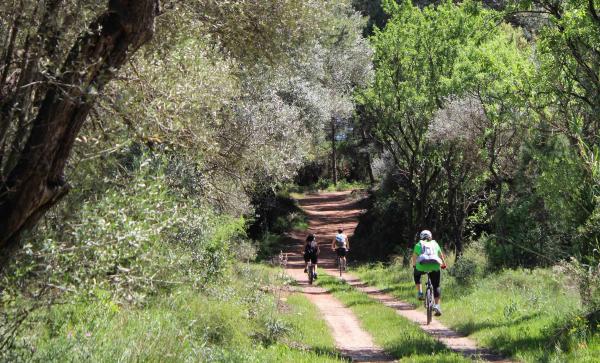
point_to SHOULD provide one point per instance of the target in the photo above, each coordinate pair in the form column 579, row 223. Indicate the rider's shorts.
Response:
column 313, row 257
column 341, row 252
column 435, row 277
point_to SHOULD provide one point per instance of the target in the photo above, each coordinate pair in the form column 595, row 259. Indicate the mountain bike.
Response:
column 429, row 301
column 311, row 272
column 340, row 263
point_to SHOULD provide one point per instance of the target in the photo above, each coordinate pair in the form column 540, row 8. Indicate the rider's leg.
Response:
column 417, row 277
column 340, row 256
column 435, row 281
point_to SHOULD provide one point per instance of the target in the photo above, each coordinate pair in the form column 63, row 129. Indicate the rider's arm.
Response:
column 416, row 251
column 443, row 257
column 333, row 243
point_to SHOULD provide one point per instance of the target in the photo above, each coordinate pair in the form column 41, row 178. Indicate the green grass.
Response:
column 344, row 185
column 399, row 337
column 309, row 330
column 237, row 321
column 514, row 312
column 297, row 191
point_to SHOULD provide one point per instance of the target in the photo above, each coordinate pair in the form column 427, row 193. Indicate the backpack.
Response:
column 312, row 247
column 340, row 240
column 428, row 253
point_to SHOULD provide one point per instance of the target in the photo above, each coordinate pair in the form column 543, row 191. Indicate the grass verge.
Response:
column 397, row 336
column 514, row 312
column 309, row 331
column 237, row 321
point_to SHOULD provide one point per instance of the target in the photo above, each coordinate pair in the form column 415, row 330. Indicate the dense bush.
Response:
column 472, row 264
column 131, row 239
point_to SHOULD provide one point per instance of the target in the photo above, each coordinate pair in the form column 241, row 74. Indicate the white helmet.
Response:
column 425, row 235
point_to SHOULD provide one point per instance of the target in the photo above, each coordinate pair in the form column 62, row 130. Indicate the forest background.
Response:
column 147, row 148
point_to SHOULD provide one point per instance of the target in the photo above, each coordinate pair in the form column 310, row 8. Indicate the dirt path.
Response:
column 351, row 340
column 329, row 211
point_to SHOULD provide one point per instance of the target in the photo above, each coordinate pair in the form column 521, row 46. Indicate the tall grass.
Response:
column 236, row 322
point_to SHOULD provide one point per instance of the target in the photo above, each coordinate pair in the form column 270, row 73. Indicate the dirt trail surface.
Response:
column 329, row 211
column 352, row 341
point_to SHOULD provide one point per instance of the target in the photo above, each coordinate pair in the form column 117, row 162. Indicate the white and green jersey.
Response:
column 428, row 256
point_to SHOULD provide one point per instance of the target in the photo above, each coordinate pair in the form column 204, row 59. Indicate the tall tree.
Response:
column 43, row 110
column 455, row 59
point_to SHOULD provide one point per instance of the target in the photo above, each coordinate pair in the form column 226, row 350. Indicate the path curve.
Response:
column 328, row 211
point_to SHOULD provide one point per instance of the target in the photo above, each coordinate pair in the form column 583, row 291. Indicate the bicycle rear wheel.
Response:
column 310, row 274
column 429, row 303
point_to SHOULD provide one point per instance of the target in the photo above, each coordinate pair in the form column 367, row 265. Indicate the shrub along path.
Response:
column 328, row 211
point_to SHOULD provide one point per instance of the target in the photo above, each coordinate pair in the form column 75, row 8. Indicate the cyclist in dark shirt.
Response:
column 311, row 252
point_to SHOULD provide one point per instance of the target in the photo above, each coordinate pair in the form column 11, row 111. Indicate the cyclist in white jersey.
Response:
column 341, row 245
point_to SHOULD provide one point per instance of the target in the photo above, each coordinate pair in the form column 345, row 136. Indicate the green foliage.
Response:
column 325, row 184
column 442, row 109
column 120, row 236
column 551, row 214
column 134, row 237
column 541, row 225
column 344, row 185
column 276, row 214
column 573, row 333
column 485, row 132
column 471, row 265
column 516, row 312
column 234, row 321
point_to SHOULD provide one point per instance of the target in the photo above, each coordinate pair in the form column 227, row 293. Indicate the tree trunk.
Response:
column 368, row 157
column 36, row 182
column 334, row 175
column 10, row 48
